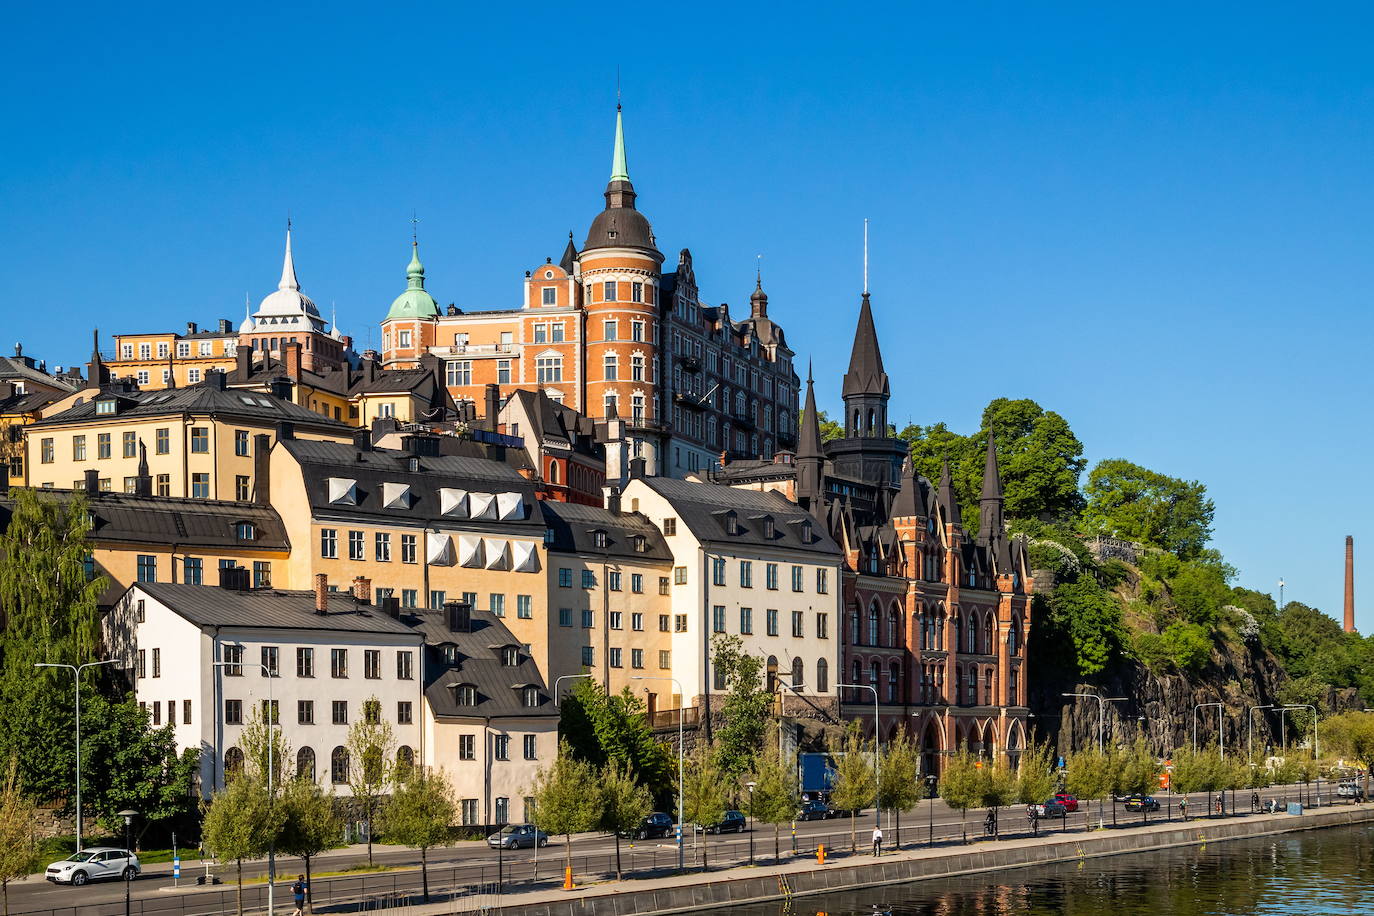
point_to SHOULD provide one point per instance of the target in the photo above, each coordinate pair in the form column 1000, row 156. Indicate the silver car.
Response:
column 97, row 863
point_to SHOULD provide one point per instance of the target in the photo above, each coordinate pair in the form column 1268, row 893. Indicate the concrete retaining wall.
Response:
column 756, row 888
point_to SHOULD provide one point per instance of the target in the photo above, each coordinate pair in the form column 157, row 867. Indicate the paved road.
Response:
column 473, row 864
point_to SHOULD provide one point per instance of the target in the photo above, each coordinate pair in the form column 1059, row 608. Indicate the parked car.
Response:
column 655, row 825
column 814, row 811
column 1070, row 802
column 99, row 863
column 1141, row 803
column 1048, row 808
column 1350, row 790
column 732, row 822
column 518, row 836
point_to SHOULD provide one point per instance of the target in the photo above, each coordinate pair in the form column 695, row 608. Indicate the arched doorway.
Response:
column 931, row 747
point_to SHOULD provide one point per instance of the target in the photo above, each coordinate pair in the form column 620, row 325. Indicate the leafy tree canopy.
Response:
column 1128, row 501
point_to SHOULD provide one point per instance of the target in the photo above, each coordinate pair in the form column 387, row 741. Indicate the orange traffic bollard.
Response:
column 820, row 854
column 567, row 879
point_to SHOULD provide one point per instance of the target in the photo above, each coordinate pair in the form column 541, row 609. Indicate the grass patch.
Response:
column 227, row 872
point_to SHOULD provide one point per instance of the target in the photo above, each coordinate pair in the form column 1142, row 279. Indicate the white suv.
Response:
column 95, row 864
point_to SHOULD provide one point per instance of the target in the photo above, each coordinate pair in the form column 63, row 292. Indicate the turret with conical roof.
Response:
column 810, row 456
column 944, row 494
column 620, row 225
column 866, row 390
column 415, row 302
column 990, row 502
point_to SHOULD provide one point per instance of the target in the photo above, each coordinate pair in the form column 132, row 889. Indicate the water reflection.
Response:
column 1322, row 873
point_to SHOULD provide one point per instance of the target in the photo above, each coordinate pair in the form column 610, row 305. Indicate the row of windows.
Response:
column 770, row 575
column 616, row 658
column 193, row 568
column 771, row 624
column 305, row 662
column 154, row 711
column 305, row 712
column 676, row 623
column 128, row 444
column 183, row 349
column 614, row 580
column 305, row 763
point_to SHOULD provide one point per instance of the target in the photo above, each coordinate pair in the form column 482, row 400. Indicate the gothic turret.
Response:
column 990, row 502
column 866, row 390
column 810, row 457
column 95, row 369
column 944, row 494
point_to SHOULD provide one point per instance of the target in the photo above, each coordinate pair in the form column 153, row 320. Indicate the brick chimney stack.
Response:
column 1349, row 584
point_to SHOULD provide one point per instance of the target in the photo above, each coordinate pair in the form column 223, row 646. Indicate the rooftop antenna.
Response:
column 617, row 87
column 865, row 256
column 758, row 269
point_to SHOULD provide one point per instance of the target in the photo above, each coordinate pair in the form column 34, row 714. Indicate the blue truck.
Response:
column 817, row 775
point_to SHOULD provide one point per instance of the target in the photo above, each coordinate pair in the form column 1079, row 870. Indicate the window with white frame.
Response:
column 548, row 369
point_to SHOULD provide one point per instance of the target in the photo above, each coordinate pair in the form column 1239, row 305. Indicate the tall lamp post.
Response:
column 128, row 814
column 750, row 784
column 76, row 677
column 1221, row 731
column 877, row 757
column 1250, row 729
column 681, row 698
column 271, row 718
column 560, row 679
column 1316, row 742
column 1101, row 712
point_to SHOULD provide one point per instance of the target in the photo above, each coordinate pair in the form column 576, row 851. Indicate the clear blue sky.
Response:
column 1156, row 222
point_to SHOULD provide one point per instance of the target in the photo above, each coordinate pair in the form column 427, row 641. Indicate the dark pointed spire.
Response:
column 866, row 375
column 910, row 501
column 810, row 453
column 143, row 481
column 945, row 494
column 990, row 515
column 992, row 479
column 95, row 369
column 809, row 441
column 569, row 255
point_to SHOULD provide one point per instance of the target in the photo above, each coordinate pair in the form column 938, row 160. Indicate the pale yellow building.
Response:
column 160, row 359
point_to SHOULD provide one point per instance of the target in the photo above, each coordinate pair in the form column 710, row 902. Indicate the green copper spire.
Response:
column 415, row 301
column 619, row 170
column 415, row 271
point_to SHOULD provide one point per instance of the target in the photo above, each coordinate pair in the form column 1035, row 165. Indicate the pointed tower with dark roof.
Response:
column 95, row 369
column 810, row 454
column 866, row 388
column 990, row 503
column 944, row 494
column 569, row 255
column 910, row 501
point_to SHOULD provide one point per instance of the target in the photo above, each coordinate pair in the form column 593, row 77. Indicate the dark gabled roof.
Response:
column 866, row 374
column 121, row 518
column 945, row 496
column 28, row 403
column 203, row 398
column 23, row 368
column 705, row 508
column 574, row 526
column 911, row 498
column 374, row 467
column 385, row 381
column 499, row 686
column 552, row 421
column 207, row 605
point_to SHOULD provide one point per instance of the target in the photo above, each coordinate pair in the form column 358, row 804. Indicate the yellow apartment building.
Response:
column 163, row 359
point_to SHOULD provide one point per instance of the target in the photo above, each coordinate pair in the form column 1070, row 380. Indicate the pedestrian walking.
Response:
column 877, row 841
column 299, row 889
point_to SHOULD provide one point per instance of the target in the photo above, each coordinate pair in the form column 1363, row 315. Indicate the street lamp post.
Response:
column 681, row 698
column 128, row 814
column 1221, row 729
column 271, row 718
column 877, row 756
column 76, row 676
column 1250, row 729
column 1101, row 712
column 560, row 679
column 1316, row 742
column 751, row 785
column 930, row 794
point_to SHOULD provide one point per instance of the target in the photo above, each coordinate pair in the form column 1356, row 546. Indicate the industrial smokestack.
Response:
column 1349, row 584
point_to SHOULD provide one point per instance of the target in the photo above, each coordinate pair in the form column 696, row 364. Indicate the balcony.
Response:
column 461, row 350
column 690, row 363
column 692, row 401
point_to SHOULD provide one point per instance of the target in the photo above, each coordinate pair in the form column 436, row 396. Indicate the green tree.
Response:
column 565, row 800
column 1202, row 771
column 18, row 845
column 126, row 763
column 999, row 788
column 310, row 821
column 745, row 713
column 1128, row 501
column 1351, row 734
column 256, row 736
column 1035, row 776
column 961, row 783
column 1089, row 776
column 241, row 823
column 900, row 784
column 855, row 786
column 705, row 794
column 624, row 804
column 419, row 814
column 1083, row 621
column 371, row 748
column 614, row 728
column 775, row 797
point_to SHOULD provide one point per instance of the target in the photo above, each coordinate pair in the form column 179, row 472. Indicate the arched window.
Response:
column 875, row 671
column 772, row 673
column 958, row 631
column 894, row 682
column 233, row 763
column 798, row 673
column 973, row 633
column 858, row 423
column 987, row 687
column 918, row 623
column 338, row 766
column 1014, row 637
column 1012, row 698
column 856, row 678
column 854, row 627
column 872, row 422
column 305, row 764
column 405, row 761
column 553, row 472
column 873, row 624
column 822, row 676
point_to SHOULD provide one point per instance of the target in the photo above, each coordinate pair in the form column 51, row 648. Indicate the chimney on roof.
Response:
column 493, row 406
column 6, row 390
column 233, row 578
column 190, row 328
column 321, row 594
column 362, row 440
column 92, row 482
column 459, row 616
column 1349, row 584
column 291, row 358
column 216, row 379
column 225, row 326
column 362, row 589
column 393, row 607
column 423, row 444
column 280, row 388
column 637, row 466
column 243, row 361
column 262, row 469
column 613, row 500
column 371, row 365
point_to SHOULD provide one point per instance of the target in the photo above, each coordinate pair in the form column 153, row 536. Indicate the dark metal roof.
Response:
column 866, row 374
column 208, row 605
column 705, row 509
column 620, row 225
column 499, row 686
column 203, row 398
column 574, row 526
column 809, row 441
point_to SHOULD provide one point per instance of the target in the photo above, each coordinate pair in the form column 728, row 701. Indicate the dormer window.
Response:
column 465, row 694
column 807, row 534
column 245, row 531
column 510, row 656
column 640, row 543
column 731, row 523
column 530, row 697
column 600, row 539
column 549, row 536
column 770, row 530
column 106, row 406
column 450, row 655
column 412, row 464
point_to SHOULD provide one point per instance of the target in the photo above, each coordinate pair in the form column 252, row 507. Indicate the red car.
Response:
column 1070, row 802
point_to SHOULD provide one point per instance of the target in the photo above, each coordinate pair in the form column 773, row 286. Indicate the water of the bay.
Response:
column 1315, row 873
